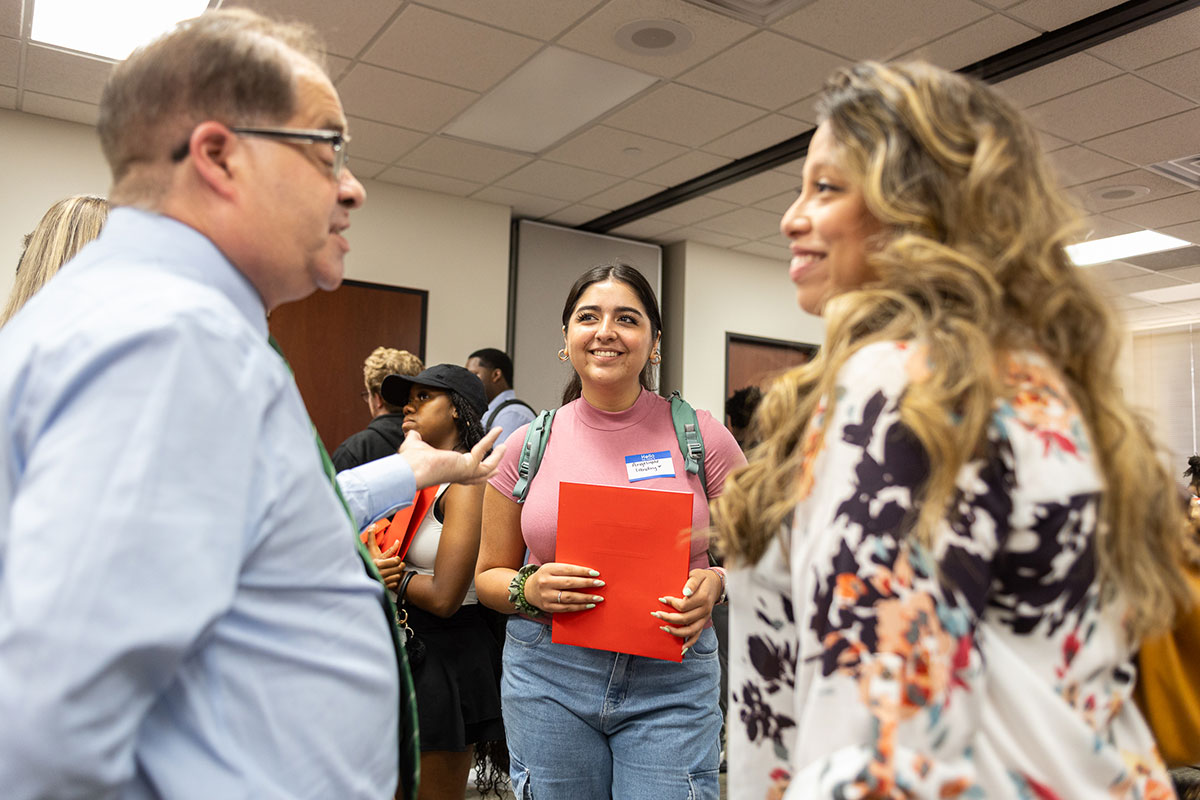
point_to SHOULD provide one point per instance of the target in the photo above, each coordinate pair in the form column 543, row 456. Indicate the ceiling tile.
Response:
column 559, row 181
column 530, row 206
column 706, row 237
column 1099, row 226
column 1189, row 231
column 614, row 151
column 777, row 204
column 1189, row 274
column 686, row 167
column 344, row 33
column 337, row 66
column 712, row 33
column 758, row 135
column 990, row 35
column 1056, row 78
column 68, row 75
column 741, row 71
column 643, row 229
column 366, row 168
column 59, row 108
column 535, row 18
column 576, row 215
column 1119, row 103
column 10, row 61
column 1089, row 194
column 683, row 115
column 385, row 96
column 749, row 222
column 8, row 97
column 623, row 194
column 464, row 160
column 1141, row 283
column 759, row 187
column 1180, row 74
column 426, row 180
column 695, row 210
column 379, row 142
column 860, row 29
column 1168, row 211
column 1122, row 303
column 1047, row 15
column 795, row 167
column 1113, row 271
column 1077, row 164
column 449, row 49
column 10, row 18
column 1163, row 39
column 805, row 110
column 1050, row 143
column 775, row 252
column 1160, row 140
column 1168, row 261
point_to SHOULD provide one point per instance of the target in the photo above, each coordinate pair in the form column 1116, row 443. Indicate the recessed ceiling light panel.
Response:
column 1114, row 248
column 111, row 29
column 654, row 37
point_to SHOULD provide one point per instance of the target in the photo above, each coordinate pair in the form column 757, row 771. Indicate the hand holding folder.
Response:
column 639, row 541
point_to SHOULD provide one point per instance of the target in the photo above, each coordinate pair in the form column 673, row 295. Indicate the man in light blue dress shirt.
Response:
column 182, row 611
column 495, row 369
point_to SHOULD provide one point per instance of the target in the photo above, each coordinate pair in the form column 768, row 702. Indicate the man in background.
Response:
column 385, row 432
column 504, row 410
column 183, row 612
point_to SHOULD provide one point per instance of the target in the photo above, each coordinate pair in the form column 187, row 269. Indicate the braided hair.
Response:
column 470, row 427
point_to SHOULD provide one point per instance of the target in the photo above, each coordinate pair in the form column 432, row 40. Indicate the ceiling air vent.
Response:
column 758, row 12
column 1186, row 170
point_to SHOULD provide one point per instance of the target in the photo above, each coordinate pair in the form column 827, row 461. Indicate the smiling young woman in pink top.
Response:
column 592, row 723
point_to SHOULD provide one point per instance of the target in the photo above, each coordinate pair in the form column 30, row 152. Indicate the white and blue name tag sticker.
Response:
column 644, row 466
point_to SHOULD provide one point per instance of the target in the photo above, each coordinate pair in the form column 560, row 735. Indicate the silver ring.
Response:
column 559, row 596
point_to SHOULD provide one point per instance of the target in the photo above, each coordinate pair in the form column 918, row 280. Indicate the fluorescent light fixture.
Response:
column 1171, row 294
column 110, row 29
column 1127, row 245
column 554, row 93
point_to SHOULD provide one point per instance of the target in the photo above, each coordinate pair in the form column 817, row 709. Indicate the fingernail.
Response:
column 662, row 599
column 684, row 653
column 656, row 614
column 687, row 591
column 597, row 598
column 665, row 629
column 593, row 573
column 597, row 583
column 590, row 605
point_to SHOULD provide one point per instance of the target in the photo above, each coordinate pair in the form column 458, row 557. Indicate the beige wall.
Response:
column 713, row 291
column 457, row 249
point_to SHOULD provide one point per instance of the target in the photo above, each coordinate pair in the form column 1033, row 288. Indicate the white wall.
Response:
column 457, row 249
column 710, row 292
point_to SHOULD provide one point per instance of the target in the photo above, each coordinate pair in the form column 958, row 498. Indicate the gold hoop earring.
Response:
column 656, row 358
column 562, row 354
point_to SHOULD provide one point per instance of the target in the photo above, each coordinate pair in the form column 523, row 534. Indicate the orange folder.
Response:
column 639, row 541
column 403, row 525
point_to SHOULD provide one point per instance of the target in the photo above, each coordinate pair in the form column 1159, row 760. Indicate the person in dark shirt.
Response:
column 384, row 434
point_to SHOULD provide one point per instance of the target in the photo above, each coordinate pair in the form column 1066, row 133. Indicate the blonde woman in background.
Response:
column 64, row 229
column 954, row 532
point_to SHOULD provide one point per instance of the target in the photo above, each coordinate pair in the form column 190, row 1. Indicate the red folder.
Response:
column 403, row 525
column 639, row 540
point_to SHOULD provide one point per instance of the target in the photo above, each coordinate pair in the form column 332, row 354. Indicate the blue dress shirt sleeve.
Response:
column 378, row 488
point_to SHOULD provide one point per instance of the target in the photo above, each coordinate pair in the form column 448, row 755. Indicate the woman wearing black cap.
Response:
column 457, row 683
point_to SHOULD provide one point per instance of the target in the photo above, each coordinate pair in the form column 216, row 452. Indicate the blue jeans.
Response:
column 591, row 725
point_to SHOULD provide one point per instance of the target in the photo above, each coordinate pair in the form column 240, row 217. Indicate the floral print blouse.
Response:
column 863, row 665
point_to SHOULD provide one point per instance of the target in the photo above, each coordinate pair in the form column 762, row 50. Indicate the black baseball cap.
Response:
column 395, row 388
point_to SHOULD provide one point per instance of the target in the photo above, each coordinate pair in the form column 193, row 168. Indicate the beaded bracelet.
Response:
column 721, row 573
column 516, row 592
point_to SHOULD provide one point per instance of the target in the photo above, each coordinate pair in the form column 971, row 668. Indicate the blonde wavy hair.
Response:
column 385, row 361
column 65, row 228
column 971, row 264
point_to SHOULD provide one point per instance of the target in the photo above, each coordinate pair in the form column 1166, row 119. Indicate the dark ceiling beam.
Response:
column 1045, row 49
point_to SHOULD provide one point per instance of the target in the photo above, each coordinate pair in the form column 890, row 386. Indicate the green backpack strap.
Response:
column 536, row 438
column 691, row 443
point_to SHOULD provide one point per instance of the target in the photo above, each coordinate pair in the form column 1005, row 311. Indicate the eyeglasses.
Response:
column 335, row 139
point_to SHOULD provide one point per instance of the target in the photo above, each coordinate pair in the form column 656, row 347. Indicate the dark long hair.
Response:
column 635, row 280
column 470, row 426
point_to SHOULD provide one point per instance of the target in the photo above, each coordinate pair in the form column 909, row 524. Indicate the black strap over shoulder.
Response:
column 512, row 401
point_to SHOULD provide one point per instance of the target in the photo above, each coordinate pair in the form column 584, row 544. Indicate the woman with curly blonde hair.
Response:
column 954, row 532
column 66, row 227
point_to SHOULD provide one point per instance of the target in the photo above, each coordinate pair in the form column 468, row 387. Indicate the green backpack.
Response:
column 687, row 430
